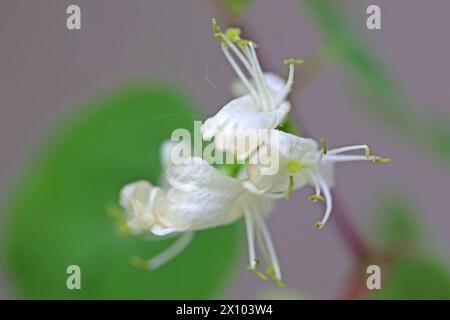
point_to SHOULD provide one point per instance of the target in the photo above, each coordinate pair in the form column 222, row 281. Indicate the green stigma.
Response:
column 381, row 160
column 139, row 263
column 318, row 225
column 323, row 143
column 316, row 197
column 260, row 275
column 294, row 166
column 293, row 61
column 289, row 188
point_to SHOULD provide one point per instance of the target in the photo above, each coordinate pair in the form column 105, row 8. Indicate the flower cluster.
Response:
column 195, row 195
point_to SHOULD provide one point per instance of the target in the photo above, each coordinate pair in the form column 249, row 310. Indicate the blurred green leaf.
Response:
column 408, row 272
column 382, row 94
column 58, row 214
column 236, row 6
column 397, row 222
column 415, row 279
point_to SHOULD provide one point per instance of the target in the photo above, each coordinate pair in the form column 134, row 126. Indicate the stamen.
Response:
column 287, row 87
column 216, row 29
column 260, row 275
column 347, row 158
column 260, row 80
column 328, row 201
column 120, row 219
column 234, row 35
column 293, row 61
column 367, row 151
column 323, row 143
column 271, row 249
column 289, row 188
column 316, row 187
column 381, row 160
column 316, row 197
column 240, row 74
column 364, row 147
column 167, row 255
column 279, row 282
column 249, row 224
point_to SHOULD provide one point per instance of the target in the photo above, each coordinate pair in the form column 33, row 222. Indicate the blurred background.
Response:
column 83, row 111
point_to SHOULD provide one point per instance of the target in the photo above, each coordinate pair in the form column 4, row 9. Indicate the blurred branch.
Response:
column 379, row 90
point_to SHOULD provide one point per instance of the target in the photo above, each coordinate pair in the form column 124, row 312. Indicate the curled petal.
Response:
column 241, row 116
column 139, row 199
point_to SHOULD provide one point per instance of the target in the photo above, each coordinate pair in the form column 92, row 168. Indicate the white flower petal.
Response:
column 200, row 197
column 238, row 117
column 139, row 199
column 288, row 147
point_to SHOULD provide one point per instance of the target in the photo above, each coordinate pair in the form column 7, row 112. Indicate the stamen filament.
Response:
column 271, row 249
column 171, row 252
column 250, row 224
column 287, row 87
column 259, row 79
column 328, row 201
column 240, row 74
column 346, row 149
column 238, row 53
column 346, row 158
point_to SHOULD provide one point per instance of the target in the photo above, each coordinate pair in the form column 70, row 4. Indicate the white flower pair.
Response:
column 199, row 196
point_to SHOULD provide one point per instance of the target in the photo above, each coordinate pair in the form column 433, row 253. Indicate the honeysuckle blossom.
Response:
column 193, row 195
column 302, row 162
column 198, row 196
column 263, row 103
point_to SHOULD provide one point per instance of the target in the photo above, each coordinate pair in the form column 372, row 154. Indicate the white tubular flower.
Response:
column 199, row 197
column 302, row 163
column 263, row 104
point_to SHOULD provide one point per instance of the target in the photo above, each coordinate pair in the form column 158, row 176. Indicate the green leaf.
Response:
column 397, row 223
column 407, row 271
column 382, row 94
column 412, row 278
column 236, row 6
column 58, row 214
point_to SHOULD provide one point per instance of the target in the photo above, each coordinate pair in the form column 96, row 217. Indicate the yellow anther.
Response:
column 279, row 282
column 319, row 225
column 215, row 26
column 120, row 218
column 316, row 197
column 260, row 275
column 381, row 160
column 293, row 61
column 367, row 151
column 324, row 146
column 233, row 34
column 139, row 263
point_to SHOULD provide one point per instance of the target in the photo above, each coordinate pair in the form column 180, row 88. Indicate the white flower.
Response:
column 263, row 104
column 302, row 163
column 198, row 196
